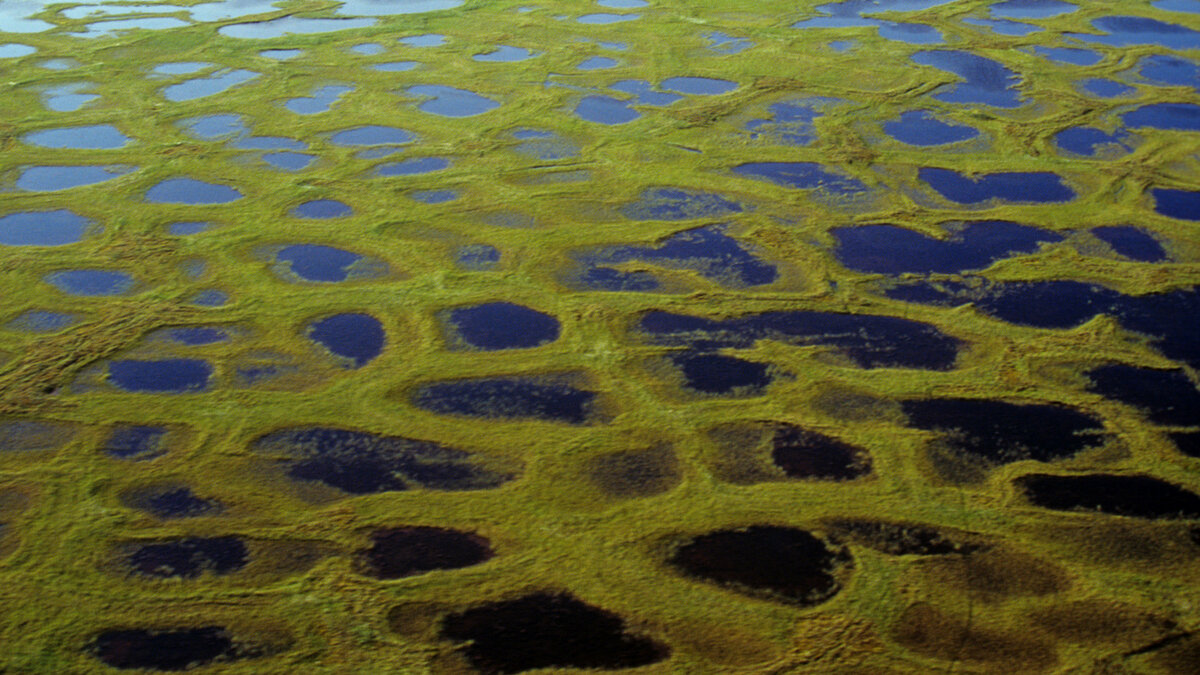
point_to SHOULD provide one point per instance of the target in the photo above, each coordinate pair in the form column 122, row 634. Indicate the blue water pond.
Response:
column 888, row 249
column 1177, row 116
column 54, row 178
column 449, row 101
column 91, row 282
column 1088, row 141
column 191, row 191
column 708, row 250
column 500, row 325
column 313, row 262
column 358, row 337
column 985, row 81
column 413, row 166
column 321, row 209
column 174, row 376
column 1131, row 242
column 1017, row 187
column 92, row 137
column 372, row 135
column 802, row 175
column 921, row 128
column 605, row 110
column 1181, row 204
column 43, row 228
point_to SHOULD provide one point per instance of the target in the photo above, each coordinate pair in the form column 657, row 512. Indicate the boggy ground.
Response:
column 935, row 541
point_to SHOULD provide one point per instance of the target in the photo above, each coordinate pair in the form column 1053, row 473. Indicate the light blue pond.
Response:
column 413, row 166
column 41, row 321
column 604, row 19
column 280, row 54
column 372, row 135
column 921, row 128
column 210, row 127
column 291, row 25
column 1069, row 55
column 605, row 110
column 67, row 97
column 203, row 87
column 14, row 50
column 53, row 178
column 191, row 191
column 428, row 40
column 700, row 86
column 91, row 282
column 95, row 137
column 396, row 66
column 597, row 63
column 43, row 228
column 180, row 68
column 727, row 44
column 321, row 100
column 451, row 102
column 505, row 53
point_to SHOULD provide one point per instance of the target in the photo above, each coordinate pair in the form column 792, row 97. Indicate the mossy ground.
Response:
column 1016, row 609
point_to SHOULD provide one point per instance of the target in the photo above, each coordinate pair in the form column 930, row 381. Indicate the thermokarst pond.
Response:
column 500, row 325
column 44, row 228
column 358, row 337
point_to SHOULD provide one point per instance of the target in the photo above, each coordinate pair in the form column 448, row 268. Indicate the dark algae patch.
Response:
column 755, row 452
column 779, row 563
column 173, row 649
column 405, row 551
column 635, row 473
column 172, row 501
column 136, row 442
column 1134, row 496
column 547, row 630
column 899, row 538
column 358, row 462
column 801, row 453
column 189, row 558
